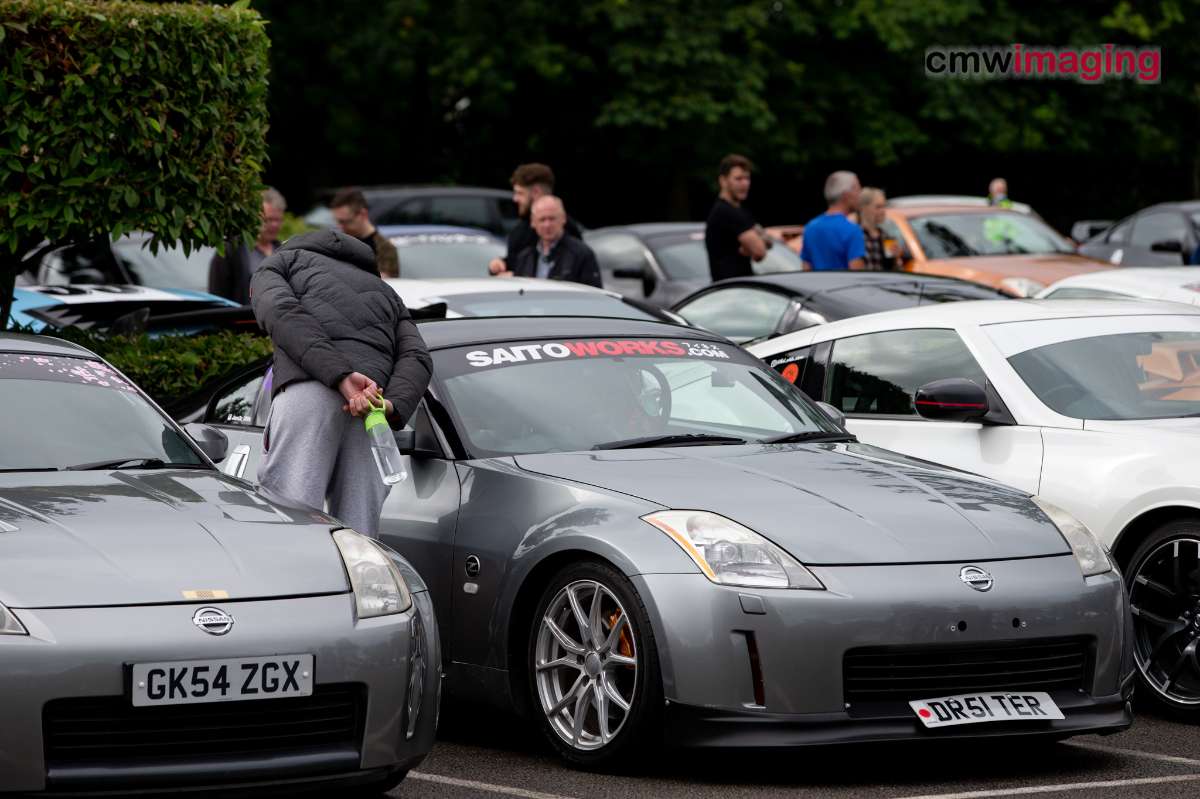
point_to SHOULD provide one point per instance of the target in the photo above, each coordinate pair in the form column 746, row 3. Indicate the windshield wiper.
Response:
column 133, row 463
column 680, row 440
column 809, row 437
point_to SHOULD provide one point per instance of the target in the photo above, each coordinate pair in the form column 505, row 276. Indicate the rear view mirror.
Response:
column 211, row 441
column 952, row 400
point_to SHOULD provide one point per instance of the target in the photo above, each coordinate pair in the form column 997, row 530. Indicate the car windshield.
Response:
column 433, row 255
column 544, row 303
column 1141, row 375
column 170, row 268
column 567, row 396
column 684, row 258
column 997, row 233
column 70, row 412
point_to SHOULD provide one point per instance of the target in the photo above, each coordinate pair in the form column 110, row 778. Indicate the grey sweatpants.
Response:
column 316, row 453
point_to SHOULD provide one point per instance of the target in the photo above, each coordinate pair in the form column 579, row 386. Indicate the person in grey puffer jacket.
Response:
column 342, row 338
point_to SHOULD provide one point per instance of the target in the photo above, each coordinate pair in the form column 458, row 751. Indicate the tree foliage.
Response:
column 116, row 116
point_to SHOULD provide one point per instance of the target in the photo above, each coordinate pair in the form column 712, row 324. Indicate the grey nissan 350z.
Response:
column 165, row 626
column 637, row 532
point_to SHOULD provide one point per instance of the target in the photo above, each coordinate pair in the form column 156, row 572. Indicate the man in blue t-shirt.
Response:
column 831, row 241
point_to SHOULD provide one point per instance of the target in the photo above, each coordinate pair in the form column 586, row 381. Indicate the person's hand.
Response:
column 358, row 390
column 360, row 406
column 496, row 266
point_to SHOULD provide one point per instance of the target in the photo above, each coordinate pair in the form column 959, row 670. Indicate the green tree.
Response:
column 116, row 116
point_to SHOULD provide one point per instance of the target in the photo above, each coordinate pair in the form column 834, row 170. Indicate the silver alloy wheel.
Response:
column 1164, row 597
column 585, row 660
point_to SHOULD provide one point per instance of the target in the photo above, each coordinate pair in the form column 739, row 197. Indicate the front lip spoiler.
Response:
column 693, row 726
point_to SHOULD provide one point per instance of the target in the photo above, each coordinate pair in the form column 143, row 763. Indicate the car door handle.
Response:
column 235, row 464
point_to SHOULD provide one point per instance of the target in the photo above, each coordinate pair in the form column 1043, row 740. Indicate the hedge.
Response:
column 169, row 368
column 119, row 116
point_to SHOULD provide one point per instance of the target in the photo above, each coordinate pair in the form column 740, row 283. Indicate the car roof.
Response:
column 922, row 208
column 952, row 200
column 424, row 189
column 809, row 283
column 650, row 229
column 443, row 333
column 41, row 345
column 1132, row 278
column 990, row 312
column 452, row 286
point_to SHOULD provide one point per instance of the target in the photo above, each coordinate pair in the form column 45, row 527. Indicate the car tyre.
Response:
column 1163, row 579
column 594, row 677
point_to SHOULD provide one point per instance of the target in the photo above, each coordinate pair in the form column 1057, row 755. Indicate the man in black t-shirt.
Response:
column 730, row 235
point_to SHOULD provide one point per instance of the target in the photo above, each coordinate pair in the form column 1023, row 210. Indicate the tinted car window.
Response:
column 446, row 254
column 1152, row 228
column 1120, row 376
column 169, row 268
column 878, row 373
column 1000, row 233
column 87, row 412
column 461, row 211
column 235, row 405
column 613, row 390
column 804, row 367
column 738, row 312
column 545, row 303
column 82, row 263
column 102, row 315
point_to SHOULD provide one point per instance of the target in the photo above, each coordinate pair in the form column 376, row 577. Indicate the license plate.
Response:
column 947, row 711
column 229, row 680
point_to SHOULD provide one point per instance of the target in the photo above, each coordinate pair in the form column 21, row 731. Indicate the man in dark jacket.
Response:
column 556, row 255
column 529, row 183
column 229, row 274
column 342, row 338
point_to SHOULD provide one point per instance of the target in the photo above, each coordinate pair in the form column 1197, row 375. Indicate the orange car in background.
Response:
column 1013, row 252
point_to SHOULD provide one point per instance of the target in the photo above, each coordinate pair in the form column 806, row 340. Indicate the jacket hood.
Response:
column 72, row 539
column 336, row 245
column 827, row 504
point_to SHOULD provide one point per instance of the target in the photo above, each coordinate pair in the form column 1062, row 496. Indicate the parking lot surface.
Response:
column 501, row 756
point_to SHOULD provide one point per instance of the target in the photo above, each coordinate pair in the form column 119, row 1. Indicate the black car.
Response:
column 662, row 263
column 1167, row 234
column 464, row 206
column 756, row 308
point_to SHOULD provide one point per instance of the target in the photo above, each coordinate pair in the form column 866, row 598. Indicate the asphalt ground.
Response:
column 497, row 756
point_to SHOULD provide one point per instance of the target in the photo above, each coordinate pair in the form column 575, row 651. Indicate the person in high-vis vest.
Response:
column 998, row 193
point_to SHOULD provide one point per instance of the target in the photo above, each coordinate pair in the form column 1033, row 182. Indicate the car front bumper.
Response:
column 81, row 657
column 753, row 667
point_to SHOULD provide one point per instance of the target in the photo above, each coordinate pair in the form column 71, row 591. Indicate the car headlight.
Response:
column 1089, row 552
column 10, row 624
column 731, row 554
column 1021, row 286
column 379, row 590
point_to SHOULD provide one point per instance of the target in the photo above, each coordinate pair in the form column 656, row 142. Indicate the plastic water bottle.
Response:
column 383, row 446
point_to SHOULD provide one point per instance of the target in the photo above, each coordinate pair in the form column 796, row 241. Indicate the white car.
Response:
column 523, row 296
column 1174, row 283
column 1094, row 405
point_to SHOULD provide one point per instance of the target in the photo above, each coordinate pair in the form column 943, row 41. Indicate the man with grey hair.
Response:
column 998, row 193
column 555, row 255
column 832, row 241
column 229, row 275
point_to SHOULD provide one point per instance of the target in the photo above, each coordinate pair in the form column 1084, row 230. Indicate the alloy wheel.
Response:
column 586, row 662
column 1164, row 597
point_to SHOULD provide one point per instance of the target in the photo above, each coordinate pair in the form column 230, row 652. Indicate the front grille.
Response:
column 903, row 673
column 111, row 731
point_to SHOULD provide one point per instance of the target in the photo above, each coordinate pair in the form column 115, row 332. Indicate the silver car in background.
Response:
column 165, row 626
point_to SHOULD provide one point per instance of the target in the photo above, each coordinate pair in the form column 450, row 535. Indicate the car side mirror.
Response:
column 953, row 400
column 211, row 441
column 1167, row 245
column 408, row 444
column 833, row 413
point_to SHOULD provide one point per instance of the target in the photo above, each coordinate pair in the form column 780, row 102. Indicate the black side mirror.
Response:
column 407, row 443
column 211, row 441
column 1167, row 245
column 952, row 400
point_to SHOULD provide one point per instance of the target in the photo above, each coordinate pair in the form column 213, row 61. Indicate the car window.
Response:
column 738, row 312
column 685, row 258
column 608, row 390
column 102, row 315
column 1120, row 233
column 617, row 252
column 91, row 262
column 1161, row 226
column 409, row 212
column 461, row 211
column 169, row 268
column 88, row 413
column 1145, row 375
column 791, row 363
column 999, row 233
column 1081, row 293
column 878, row 373
column 235, row 404
column 430, row 255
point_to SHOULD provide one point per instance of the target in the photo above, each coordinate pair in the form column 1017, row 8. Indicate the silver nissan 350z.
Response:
column 163, row 625
column 638, row 532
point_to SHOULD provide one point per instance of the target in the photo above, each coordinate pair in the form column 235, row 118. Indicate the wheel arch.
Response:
column 1136, row 530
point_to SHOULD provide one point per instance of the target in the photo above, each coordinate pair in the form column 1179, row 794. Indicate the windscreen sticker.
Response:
column 594, row 348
